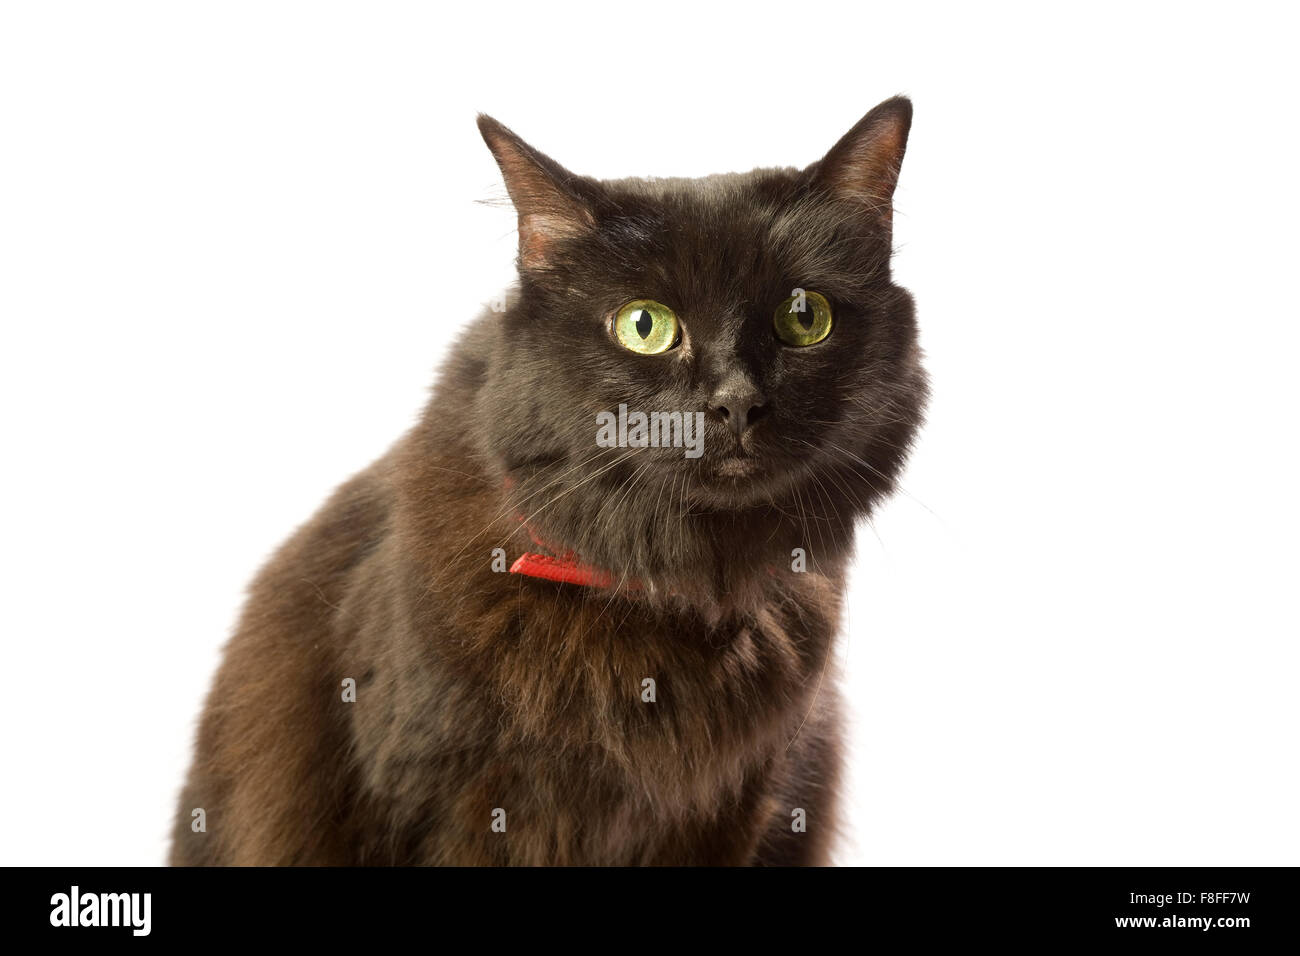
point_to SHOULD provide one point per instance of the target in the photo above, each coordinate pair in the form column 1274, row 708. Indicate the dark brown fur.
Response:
column 479, row 690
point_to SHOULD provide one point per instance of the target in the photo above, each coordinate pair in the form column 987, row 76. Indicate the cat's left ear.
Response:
column 864, row 164
column 552, row 202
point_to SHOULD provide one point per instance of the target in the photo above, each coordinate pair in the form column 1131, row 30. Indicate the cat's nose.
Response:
column 739, row 405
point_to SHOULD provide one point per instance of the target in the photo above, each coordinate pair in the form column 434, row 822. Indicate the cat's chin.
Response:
column 737, row 482
column 738, row 467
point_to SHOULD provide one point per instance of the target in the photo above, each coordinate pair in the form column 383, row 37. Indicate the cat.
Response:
column 508, row 642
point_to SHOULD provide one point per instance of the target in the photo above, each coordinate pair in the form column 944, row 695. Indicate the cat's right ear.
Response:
column 548, row 198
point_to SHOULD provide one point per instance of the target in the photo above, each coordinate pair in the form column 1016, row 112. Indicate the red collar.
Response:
column 561, row 564
column 564, row 566
column 566, row 569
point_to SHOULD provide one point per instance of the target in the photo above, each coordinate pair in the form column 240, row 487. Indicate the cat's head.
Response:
column 758, row 306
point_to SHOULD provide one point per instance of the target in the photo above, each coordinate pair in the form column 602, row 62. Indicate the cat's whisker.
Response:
column 875, row 439
column 596, row 474
column 848, row 490
column 437, row 578
column 895, row 483
column 550, row 482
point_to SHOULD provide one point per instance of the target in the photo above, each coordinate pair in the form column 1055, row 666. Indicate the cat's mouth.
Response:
column 735, row 481
column 735, row 478
column 738, row 465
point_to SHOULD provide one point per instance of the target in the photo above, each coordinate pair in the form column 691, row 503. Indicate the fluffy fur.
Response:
column 479, row 690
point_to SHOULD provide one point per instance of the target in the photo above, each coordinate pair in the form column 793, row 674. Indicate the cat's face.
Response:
column 758, row 306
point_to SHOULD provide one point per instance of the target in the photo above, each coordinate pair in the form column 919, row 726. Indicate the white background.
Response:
column 236, row 238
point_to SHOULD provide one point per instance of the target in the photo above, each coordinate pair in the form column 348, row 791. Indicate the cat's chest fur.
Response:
column 511, row 720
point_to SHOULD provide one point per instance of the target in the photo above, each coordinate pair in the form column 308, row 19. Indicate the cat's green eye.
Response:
column 803, row 319
column 646, row 327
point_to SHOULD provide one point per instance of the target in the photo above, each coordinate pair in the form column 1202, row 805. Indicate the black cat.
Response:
column 523, row 638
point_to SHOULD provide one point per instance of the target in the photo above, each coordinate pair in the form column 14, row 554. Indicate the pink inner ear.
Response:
column 538, row 231
column 532, row 241
column 547, row 210
column 864, row 164
column 872, row 168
